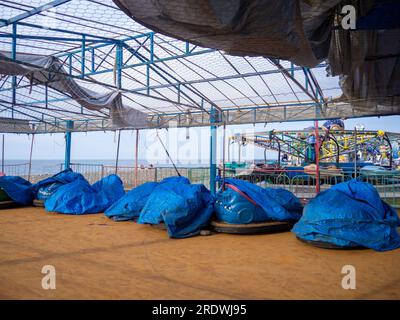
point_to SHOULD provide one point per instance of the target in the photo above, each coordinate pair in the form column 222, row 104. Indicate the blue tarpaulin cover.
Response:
column 18, row 189
column 45, row 188
column 131, row 204
column 79, row 197
column 350, row 214
column 273, row 204
column 184, row 208
column 23, row 192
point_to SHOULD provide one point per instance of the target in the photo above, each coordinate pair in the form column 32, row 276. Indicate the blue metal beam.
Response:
column 119, row 61
column 68, row 138
column 83, row 56
column 14, row 57
column 213, row 152
column 27, row 114
column 30, row 37
column 88, row 35
column 33, row 12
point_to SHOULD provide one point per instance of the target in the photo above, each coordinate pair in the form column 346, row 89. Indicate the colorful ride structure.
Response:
column 298, row 147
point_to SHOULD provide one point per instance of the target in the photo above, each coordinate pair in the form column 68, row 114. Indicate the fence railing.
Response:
column 301, row 183
column 21, row 169
column 94, row 172
column 388, row 186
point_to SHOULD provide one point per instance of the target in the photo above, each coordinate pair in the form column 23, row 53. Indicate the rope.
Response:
column 169, row 157
column 241, row 193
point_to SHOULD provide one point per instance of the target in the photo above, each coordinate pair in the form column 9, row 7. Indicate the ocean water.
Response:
column 54, row 166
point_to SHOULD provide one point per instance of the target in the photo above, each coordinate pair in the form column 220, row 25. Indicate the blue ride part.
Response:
column 131, row 204
column 47, row 187
column 272, row 204
column 350, row 214
column 18, row 189
column 79, row 197
column 334, row 123
column 231, row 207
column 311, row 139
column 46, row 191
column 185, row 208
column 310, row 153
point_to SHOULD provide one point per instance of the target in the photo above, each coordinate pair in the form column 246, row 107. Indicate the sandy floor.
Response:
column 96, row 258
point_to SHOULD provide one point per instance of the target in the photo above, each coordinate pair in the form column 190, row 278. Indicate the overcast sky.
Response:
column 186, row 146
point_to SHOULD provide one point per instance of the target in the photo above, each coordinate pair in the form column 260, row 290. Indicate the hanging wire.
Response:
column 169, row 157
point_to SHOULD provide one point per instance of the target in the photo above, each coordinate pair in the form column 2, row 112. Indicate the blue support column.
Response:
column 33, row 12
column 119, row 58
column 14, row 57
column 152, row 47
column 67, row 160
column 213, row 153
column 148, row 78
column 70, row 64
column 83, row 56
column 306, row 78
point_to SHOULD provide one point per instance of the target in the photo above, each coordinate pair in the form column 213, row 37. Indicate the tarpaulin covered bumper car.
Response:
column 183, row 208
column 80, row 197
column 349, row 215
column 14, row 192
column 245, row 208
column 47, row 187
column 5, row 201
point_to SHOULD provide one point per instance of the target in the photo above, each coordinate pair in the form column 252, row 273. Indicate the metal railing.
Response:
column 94, row 172
column 387, row 185
column 301, row 183
column 21, row 169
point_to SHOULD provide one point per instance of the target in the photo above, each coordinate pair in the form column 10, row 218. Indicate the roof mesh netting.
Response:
column 90, row 62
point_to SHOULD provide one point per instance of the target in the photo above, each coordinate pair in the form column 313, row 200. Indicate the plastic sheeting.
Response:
column 304, row 32
column 18, row 189
column 350, row 214
column 132, row 203
column 45, row 188
column 231, row 207
column 38, row 69
column 275, row 204
column 23, row 192
column 79, row 197
column 184, row 208
column 294, row 30
column 367, row 61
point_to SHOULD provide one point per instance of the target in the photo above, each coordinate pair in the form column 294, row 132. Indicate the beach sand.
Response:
column 96, row 258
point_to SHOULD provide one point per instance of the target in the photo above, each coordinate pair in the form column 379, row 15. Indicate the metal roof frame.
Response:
column 174, row 82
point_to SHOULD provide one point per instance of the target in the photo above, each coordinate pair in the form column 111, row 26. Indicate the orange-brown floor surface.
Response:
column 96, row 258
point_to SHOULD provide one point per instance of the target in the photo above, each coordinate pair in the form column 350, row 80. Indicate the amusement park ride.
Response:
column 336, row 145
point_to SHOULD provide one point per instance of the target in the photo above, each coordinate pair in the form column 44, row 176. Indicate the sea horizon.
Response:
column 46, row 166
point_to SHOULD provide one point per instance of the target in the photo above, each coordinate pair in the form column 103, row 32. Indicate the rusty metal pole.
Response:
column 30, row 158
column 117, row 156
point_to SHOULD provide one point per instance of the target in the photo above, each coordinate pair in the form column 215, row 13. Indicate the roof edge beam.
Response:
column 42, row 8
